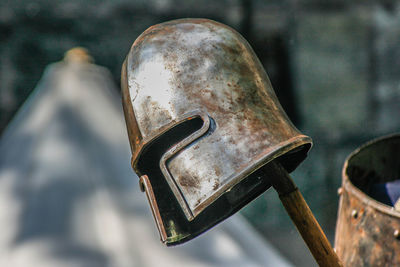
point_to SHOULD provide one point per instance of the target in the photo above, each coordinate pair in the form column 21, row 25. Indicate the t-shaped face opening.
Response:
column 158, row 147
column 173, row 220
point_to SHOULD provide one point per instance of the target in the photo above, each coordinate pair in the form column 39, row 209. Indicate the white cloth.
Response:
column 68, row 196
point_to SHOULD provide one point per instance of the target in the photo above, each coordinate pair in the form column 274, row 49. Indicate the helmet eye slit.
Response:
column 158, row 147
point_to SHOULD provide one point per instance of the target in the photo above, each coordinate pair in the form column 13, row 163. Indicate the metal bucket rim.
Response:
column 354, row 190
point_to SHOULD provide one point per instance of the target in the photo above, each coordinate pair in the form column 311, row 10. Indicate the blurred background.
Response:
column 335, row 66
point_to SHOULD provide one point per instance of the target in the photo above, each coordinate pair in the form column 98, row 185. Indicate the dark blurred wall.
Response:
column 344, row 65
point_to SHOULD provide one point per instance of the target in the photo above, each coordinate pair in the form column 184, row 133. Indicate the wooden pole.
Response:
column 301, row 215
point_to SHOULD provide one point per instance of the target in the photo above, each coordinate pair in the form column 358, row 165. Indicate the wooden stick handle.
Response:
column 302, row 216
column 309, row 229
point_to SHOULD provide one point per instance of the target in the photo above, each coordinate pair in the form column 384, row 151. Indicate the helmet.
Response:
column 202, row 118
column 368, row 227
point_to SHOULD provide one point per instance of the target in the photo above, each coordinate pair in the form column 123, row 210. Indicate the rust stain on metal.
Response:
column 217, row 170
column 216, row 185
column 188, row 181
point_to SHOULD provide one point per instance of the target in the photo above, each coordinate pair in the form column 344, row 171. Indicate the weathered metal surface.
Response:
column 367, row 231
column 200, row 108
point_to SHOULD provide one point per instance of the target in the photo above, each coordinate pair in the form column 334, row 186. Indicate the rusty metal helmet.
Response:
column 202, row 118
column 368, row 226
